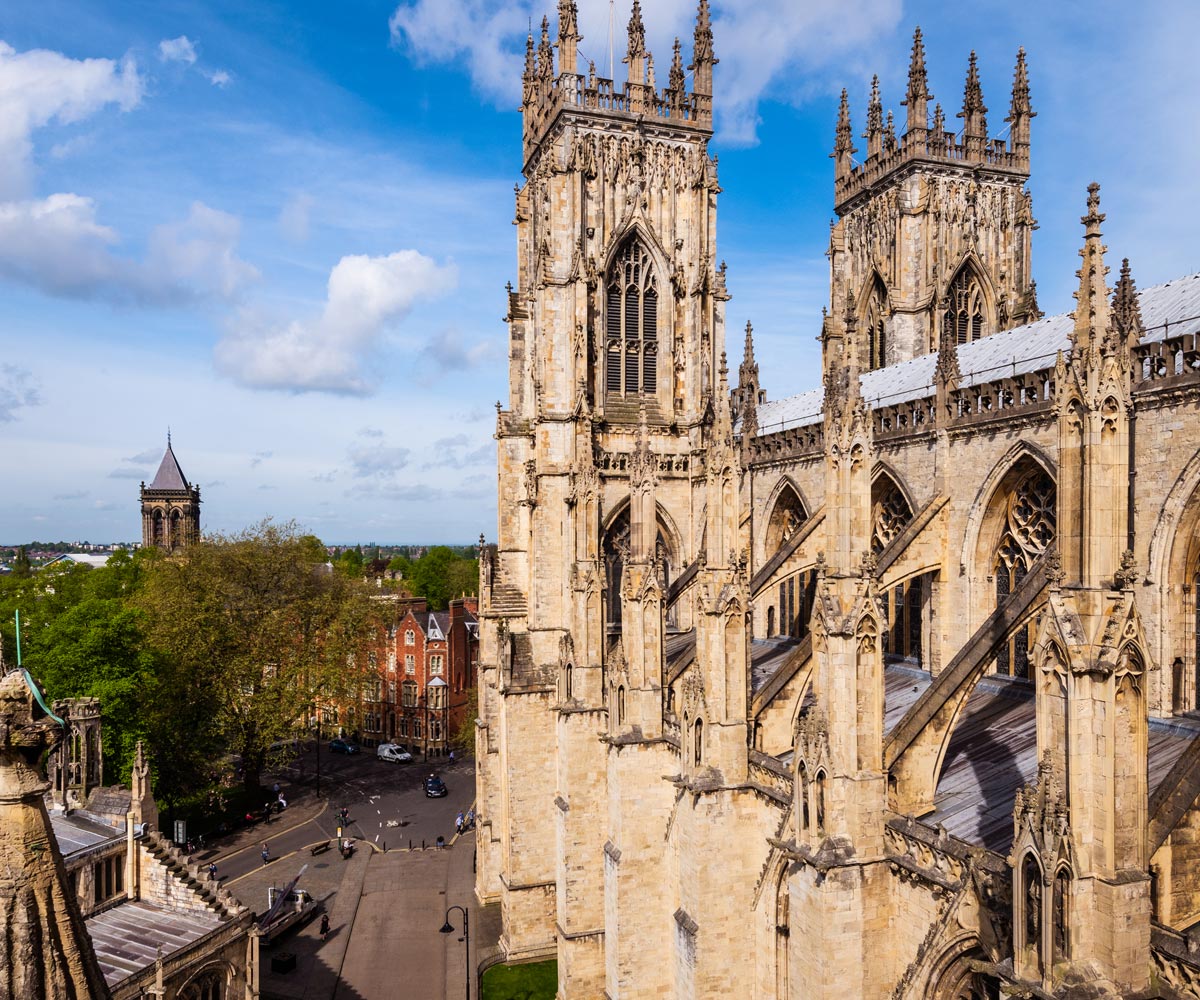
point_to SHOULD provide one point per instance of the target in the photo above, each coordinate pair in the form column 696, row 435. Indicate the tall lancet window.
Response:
column 875, row 328
column 965, row 308
column 631, row 324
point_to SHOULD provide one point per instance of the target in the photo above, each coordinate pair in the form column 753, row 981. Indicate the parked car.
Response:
column 393, row 752
column 342, row 746
column 435, row 788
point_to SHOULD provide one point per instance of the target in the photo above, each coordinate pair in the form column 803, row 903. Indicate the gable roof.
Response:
column 169, row 476
column 1171, row 309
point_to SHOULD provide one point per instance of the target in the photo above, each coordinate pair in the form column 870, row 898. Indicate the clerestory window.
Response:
column 876, row 329
column 631, row 324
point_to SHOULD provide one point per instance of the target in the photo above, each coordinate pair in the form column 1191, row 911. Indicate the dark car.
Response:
column 343, row 746
column 435, row 788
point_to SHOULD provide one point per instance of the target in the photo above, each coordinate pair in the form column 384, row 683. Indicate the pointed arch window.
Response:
column 1029, row 529
column 631, row 324
column 875, row 326
column 964, row 315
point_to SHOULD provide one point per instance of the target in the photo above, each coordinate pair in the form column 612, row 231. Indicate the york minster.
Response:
column 882, row 690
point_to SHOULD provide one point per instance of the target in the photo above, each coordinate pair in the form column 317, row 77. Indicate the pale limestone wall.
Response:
column 161, row 886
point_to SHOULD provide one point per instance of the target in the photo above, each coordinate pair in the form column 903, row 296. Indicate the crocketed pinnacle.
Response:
column 939, row 119
column 874, row 113
column 889, row 133
column 676, row 79
column 1020, row 106
column 1091, row 301
column 917, row 95
column 844, row 139
column 1126, row 310
column 973, row 111
column 637, row 33
column 749, row 370
column 530, row 60
column 546, row 52
column 702, row 42
column 568, row 19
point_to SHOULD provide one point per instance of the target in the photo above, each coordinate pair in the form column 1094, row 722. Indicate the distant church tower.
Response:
column 170, row 507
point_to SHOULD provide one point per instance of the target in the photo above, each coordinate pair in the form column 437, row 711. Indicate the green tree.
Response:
column 21, row 566
column 257, row 632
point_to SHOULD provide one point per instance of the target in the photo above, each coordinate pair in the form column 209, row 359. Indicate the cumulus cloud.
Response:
column 58, row 245
column 377, row 461
column 775, row 48
column 365, row 297
column 39, row 87
column 178, row 49
column 219, row 78
column 17, row 390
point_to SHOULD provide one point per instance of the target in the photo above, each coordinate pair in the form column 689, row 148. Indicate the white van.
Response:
column 393, row 752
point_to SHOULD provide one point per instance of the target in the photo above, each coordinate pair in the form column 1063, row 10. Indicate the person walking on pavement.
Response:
column 212, row 871
column 458, row 822
column 266, row 853
column 470, row 819
column 324, row 926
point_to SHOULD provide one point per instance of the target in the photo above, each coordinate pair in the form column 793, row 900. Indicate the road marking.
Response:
column 278, row 833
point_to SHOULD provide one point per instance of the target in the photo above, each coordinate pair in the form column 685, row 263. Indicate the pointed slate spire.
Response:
column 973, row 114
column 1126, row 311
column 568, row 37
column 916, row 98
column 1091, row 301
column 169, row 476
column 874, row 132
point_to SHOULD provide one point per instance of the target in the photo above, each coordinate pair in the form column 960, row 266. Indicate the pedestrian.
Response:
column 267, row 812
column 266, row 853
column 470, row 825
column 324, row 926
column 282, row 802
column 458, row 822
column 212, row 871
column 451, row 756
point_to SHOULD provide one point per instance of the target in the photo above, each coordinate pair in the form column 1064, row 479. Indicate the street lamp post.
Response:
column 448, row 928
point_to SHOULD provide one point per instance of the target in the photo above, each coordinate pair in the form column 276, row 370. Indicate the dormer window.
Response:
column 631, row 324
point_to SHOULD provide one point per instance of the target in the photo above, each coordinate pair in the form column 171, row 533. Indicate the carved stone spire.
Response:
column 1126, row 311
column 529, row 77
column 545, row 66
column 939, row 120
column 675, row 79
column 1091, row 301
column 874, row 132
column 916, row 98
column 889, row 134
column 568, row 37
column 974, row 113
column 843, row 145
column 703, row 59
column 748, row 386
column 947, row 372
column 636, row 51
column 1020, row 111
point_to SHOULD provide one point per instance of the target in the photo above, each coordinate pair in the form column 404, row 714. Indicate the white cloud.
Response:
column 366, row 295
column 58, row 245
column 17, row 390
column 219, row 78
column 772, row 48
column 377, row 461
column 294, row 216
column 178, row 49
column 39, row 87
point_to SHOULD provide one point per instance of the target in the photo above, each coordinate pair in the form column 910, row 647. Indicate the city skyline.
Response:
column 286, row 234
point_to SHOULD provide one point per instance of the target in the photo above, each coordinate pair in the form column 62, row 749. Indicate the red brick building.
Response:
column 426, row 662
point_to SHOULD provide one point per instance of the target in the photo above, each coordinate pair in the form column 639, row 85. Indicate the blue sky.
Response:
column 284, row 229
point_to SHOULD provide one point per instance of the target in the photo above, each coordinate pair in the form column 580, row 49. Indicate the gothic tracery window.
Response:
column 874, row 325
column 616, row 553
column 964, row 315
column 631, row 324
column 786, row 518
column 890, row 513
column 208, row 987
column 1029, row 529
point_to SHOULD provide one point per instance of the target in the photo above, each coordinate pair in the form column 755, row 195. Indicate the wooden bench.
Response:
column 320, row 848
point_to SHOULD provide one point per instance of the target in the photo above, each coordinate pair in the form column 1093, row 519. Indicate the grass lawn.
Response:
column 537, row 981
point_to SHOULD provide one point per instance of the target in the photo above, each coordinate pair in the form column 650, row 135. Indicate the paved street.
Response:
column 385, row 908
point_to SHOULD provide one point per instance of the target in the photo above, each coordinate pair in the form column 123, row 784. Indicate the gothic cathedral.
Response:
column 775, row 701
